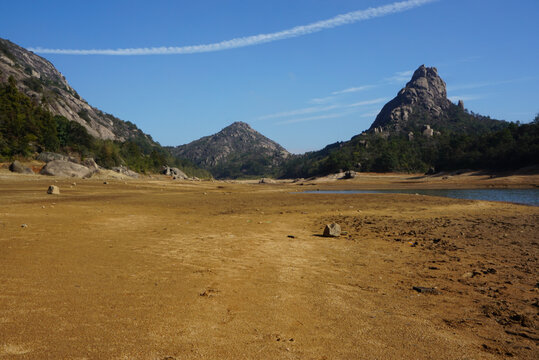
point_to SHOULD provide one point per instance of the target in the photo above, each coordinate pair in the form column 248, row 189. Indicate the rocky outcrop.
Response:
column 125, row 171
column 425, row 93
column 65, row 169
column 174, row 172
column 237, row 143
column 41, row 81
column 46, row 156
column 19, row 168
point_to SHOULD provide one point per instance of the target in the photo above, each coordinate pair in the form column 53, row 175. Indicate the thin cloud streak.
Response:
column 311, row 118
column 487, row 83
column 339, row 20
column 303, row 111
column 318, row 109
column 352, row 89
column 368, row 102
column 400, row 76
column 321, row 100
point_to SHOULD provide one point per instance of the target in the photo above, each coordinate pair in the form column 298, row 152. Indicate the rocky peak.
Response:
column 426, row 79
column 424, row 94
column 238, row 128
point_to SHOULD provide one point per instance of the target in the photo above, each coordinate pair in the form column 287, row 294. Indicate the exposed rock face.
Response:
column 237, row 141
column 427, row 131
column 39, row 79
column 46, row 156
column 19, row 168
column 425, row 93
column 65, row 169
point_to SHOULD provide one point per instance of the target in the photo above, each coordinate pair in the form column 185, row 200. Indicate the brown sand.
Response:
column 156, row 269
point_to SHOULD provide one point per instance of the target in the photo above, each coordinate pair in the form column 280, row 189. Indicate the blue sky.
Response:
column 304, row 92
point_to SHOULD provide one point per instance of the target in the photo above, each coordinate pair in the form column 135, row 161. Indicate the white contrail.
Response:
column 352, row 89
column 339, row 20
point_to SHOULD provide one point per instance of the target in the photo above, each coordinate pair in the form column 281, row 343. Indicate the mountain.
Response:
column 421, row 129
column 423, row 104
column 41, row 112
column 237, row 150
column 41, row 81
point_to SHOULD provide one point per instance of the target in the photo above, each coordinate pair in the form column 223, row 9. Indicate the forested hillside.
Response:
column 26, row 128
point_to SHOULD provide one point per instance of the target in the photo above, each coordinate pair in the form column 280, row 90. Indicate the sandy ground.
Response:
column 157, row 269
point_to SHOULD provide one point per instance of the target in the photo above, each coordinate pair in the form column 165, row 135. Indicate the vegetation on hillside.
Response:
column 246, row 166
column 27, row 128
column 504, row 146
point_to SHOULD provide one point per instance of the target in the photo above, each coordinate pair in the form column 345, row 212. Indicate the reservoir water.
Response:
column 519, row 196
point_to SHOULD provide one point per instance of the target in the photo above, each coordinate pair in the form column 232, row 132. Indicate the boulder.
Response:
column 178, row 173
column 53, row 190
column 332, row 230
column 174, row 172
column 427, row 131
column 19, row 168
column 350, row 174
column 65, row 169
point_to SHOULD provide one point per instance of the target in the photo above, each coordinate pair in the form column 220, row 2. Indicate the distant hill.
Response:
column 421, row 129
column 236, row 151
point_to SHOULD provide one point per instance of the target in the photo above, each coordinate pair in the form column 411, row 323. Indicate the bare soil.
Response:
column 160, row 269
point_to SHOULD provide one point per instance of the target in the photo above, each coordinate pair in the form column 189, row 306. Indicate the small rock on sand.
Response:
column 53, row 190
column 425, row 290
column 332, row 230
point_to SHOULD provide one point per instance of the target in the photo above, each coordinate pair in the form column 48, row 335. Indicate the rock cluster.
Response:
column 176, row 173
column 125, row 171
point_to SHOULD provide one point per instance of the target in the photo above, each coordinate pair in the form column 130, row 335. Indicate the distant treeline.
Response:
column 511, row 147
column 27, row 128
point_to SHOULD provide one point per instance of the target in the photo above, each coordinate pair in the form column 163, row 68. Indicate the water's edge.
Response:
column 519, row 196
